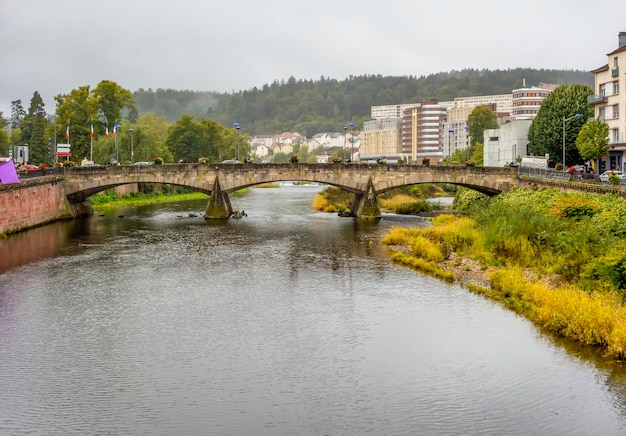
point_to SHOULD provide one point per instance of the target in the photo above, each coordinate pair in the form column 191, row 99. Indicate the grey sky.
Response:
column 206, row 45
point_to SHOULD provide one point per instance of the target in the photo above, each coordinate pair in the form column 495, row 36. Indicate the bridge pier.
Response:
column 365, row 204
column 219, row 206
column 82, row 209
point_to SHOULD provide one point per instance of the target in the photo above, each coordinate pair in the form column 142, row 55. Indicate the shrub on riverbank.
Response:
column 557, row 258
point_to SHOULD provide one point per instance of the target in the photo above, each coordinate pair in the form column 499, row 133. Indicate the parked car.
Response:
column 30, row 167
column 231, row 161
column 142, row 163
column 604, row 177
column 579, row 169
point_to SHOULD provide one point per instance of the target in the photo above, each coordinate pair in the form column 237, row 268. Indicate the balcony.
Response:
column 596, row 99
column 615, row 72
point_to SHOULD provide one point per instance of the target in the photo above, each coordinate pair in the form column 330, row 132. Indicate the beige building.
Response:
column 610, row 105
column 381, row 139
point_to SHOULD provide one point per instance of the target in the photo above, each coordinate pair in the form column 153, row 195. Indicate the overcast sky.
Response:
column 54, row 46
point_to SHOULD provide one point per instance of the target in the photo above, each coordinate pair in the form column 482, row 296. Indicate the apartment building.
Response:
column 381, row 139
column 421, row 132
column 455, row 131
column 503, row 102
column 527, row 101
column 610, row 105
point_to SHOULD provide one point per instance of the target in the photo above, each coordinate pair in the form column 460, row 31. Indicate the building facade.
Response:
column 527, row 101
column 507, row 144
column 610, row 105
column 381, row 139
column 421, row 132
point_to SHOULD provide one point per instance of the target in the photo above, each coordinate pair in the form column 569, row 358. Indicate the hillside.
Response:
column 326, row 105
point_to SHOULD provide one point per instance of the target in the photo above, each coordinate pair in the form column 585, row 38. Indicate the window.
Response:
column 616, row 111
column 603, row 90
column 602, row 113
column 614, row 135
column 616, row 87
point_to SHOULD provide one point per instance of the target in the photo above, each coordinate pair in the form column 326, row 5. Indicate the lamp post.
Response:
column 564, row 120
column 132, row 152
column 352, row 142
column 450, row 132
column 238, row 127
column 466, row 127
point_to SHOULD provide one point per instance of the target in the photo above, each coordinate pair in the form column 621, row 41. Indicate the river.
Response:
column 153, row 321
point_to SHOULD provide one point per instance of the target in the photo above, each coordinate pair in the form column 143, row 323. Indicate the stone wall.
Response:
column 31, row 203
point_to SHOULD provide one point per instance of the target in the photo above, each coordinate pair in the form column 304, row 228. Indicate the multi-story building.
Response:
column 503, row 102
column 527, row 101
column 421, row 132
column 455, row 131
column 381, row 139
column 610, row 105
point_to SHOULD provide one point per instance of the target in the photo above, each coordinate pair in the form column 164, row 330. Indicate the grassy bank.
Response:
column 110, row 199
column 406, row 200
column 557, row 258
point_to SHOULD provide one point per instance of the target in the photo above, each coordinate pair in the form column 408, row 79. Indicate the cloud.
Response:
column 54, row 47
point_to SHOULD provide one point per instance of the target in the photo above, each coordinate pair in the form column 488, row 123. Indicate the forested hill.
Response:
column 327, row 105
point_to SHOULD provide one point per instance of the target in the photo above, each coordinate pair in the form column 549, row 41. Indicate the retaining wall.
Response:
column 31, row 203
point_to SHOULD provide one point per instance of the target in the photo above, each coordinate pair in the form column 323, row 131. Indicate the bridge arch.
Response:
column 366, row 181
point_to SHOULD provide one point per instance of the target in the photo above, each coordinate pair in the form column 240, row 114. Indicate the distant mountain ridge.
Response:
column 327, row 105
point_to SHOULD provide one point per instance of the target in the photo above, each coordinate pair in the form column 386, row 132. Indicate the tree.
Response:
column 545, row 135
column 32, row 129
column 479, row 120
column 75, row 113
column 4, row 136
column 185, row 139
column 111, row 100
column 17, row 113
column 592, row 141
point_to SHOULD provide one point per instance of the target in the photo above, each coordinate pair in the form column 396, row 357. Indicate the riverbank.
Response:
column 555, row 258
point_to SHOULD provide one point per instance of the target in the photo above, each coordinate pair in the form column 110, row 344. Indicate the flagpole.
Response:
column 91, row 142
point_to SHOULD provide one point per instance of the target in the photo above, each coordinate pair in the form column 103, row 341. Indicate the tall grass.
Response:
column 560, row 256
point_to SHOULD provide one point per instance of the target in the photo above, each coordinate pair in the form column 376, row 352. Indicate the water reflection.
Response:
column 285, row 322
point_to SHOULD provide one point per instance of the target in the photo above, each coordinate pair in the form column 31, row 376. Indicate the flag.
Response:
column 114, row 129
column 106, row 131
column 91, row 131
column 67, row 132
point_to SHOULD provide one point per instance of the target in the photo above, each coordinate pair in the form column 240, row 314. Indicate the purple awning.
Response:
column 7, row 172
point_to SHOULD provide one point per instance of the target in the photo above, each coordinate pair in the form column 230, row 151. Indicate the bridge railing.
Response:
column 551, row 174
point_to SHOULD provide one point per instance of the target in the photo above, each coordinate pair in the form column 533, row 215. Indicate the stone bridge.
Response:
column 366, row 181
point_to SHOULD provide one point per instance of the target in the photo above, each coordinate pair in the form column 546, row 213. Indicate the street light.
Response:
column 564, row 120
column 450, row 131
column 352, row 142
column 132, row 152
column 345, row 135
column 238, row 127
column 466, row 127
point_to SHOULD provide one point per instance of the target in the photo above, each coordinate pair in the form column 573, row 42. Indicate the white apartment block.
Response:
column 455, row 131
column 503, row 102
column 610, row 105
